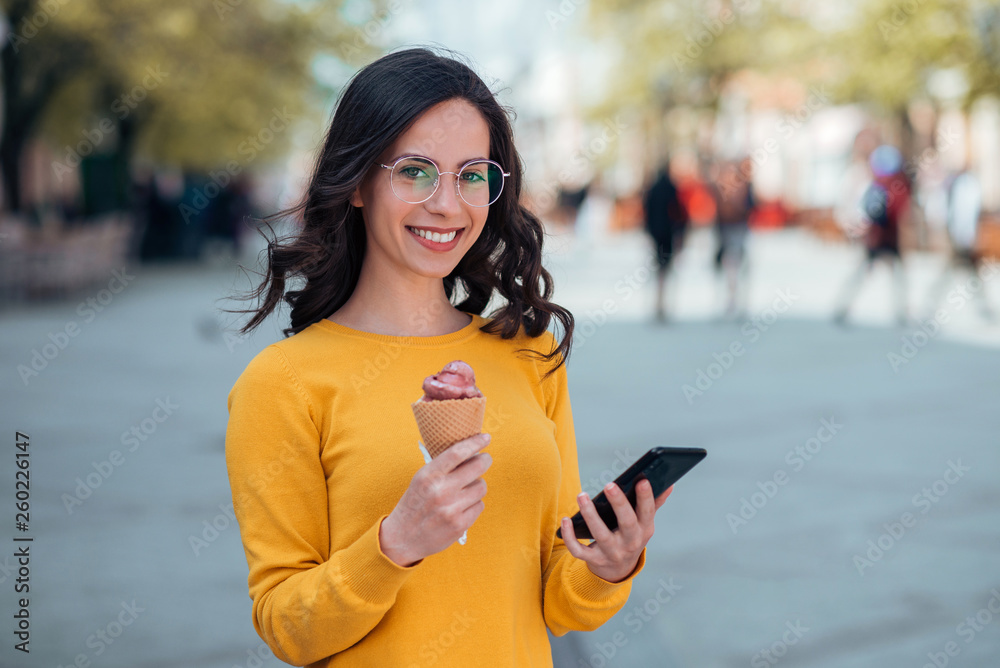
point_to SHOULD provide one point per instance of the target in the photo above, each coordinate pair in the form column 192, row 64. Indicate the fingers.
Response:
column 458, row 475
column 445, row 496
column 455, row 468
column 472, row 496
column 572, row 542
column 475, row 490
column 469, row 504
column 645, row 504
column 627, row 521
column 598, row 529
column 472, row 468
column 457, row 454
column 614, row 554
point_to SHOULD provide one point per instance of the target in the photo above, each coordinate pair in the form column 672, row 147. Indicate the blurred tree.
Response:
column 889, row 52
column 191, row 83
column 877, row 51
column 684, row 52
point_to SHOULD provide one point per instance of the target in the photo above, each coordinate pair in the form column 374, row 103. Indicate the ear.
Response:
column 356, row 200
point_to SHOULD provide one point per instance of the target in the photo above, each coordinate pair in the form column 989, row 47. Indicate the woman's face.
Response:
column 451, row 134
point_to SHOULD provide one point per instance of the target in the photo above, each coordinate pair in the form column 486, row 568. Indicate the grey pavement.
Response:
column 879, row 546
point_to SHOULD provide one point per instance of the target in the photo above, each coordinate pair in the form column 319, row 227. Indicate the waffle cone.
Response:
column 444, row 423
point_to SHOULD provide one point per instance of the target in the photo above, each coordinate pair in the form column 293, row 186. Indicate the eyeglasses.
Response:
column 415, row 179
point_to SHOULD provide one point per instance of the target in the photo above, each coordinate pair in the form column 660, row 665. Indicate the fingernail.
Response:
column 486, row 438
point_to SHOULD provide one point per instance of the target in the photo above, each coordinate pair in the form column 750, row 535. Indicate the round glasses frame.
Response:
column 437, row 181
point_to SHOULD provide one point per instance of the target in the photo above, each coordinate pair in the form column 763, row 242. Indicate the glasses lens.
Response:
column 414, row 179
column 480, row 182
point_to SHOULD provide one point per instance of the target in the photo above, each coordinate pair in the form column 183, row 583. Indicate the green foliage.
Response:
column 876, row 51
column 193, row 79
column 683, row 51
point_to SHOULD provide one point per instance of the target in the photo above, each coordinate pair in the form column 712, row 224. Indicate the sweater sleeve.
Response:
column 575, row 599
column 307, row 603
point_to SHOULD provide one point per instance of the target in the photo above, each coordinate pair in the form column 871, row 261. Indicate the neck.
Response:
column 399, row 305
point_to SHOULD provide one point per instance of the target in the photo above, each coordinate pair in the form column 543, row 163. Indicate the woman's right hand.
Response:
column 443, row 500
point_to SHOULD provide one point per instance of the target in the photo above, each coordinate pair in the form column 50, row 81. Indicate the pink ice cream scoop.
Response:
column 455, row 381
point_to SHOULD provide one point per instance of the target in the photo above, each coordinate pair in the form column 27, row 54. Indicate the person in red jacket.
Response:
column 884, row 204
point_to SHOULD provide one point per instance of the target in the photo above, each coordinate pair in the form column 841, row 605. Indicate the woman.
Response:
column 351, row 539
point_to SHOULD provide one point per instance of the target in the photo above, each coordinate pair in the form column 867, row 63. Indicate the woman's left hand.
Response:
column 613, row 555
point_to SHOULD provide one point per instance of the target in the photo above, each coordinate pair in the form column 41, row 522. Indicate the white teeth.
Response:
column 435, row 236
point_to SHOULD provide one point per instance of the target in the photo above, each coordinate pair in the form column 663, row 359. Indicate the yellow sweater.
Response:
column 320, row 446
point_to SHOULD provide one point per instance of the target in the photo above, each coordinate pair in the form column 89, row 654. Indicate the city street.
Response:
column 847, row 514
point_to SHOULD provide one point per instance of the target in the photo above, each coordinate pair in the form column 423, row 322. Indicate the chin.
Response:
column 436, row 270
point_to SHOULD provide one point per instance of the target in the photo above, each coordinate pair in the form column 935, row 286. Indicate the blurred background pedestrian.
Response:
column 666, row 223
column 964, row 204
column 885, row 202
column 734, row 201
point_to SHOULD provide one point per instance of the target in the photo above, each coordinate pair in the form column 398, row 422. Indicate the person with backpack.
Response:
column 884, row 204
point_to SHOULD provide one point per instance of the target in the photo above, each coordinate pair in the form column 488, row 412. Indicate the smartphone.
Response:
column 661, row 466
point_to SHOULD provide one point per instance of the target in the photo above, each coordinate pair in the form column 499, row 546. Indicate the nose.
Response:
column 445, row 200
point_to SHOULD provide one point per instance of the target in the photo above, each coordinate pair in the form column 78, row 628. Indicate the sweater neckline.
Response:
column 457, row 336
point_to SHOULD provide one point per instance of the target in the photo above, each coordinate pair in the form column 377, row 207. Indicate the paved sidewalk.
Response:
column 818, row 570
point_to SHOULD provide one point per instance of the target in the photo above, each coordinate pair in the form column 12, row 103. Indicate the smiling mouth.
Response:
column 434, row 236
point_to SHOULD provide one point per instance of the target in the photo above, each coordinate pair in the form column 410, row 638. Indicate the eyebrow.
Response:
column 404, row 154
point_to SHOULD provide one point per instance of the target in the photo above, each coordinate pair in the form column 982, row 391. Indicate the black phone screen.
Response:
column 661, row 466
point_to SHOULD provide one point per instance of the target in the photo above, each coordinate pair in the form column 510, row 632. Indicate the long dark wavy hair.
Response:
column 380, row 103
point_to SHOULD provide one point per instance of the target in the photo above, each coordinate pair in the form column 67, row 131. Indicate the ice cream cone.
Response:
column 444, row 423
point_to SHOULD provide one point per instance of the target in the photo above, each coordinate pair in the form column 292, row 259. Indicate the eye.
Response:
column 473, row 176
column 412, row 172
